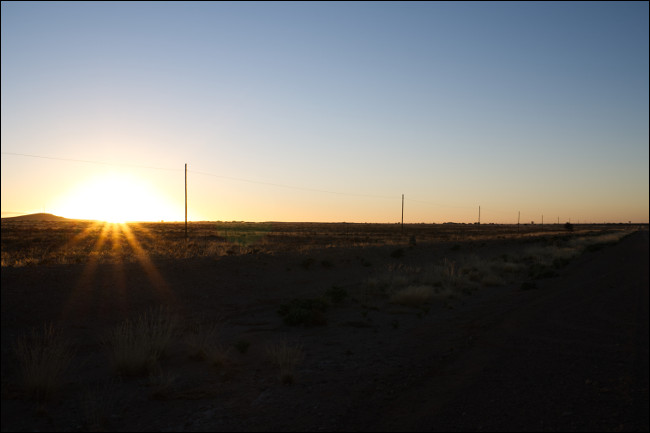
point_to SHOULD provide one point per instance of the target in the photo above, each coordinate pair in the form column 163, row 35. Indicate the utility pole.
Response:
column 186, row 202
column 518, row 218
column 402, row 212
column 479, row 215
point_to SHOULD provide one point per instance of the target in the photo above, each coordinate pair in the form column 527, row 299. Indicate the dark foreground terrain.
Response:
column 533, row 347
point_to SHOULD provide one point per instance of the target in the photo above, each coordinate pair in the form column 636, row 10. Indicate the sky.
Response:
column 326, row 111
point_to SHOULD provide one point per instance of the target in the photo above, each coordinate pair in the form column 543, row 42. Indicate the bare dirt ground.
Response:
column 571, row 354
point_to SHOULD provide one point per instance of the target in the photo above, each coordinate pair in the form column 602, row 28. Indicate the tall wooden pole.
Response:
column 518, row 217
column 402, row 212
column 479, row 215
column 185, row 201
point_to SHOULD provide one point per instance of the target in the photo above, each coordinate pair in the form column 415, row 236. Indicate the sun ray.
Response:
column 86, row 278
column 84, row 295
column 85, row 233
column 147, row 265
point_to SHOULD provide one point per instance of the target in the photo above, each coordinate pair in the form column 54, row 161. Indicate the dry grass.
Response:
column 413, row 296
column 43, row 357
column 136, row 346
column 201, row 340
column 602, row 239
column 37, row 242
column 203, row 344
column 286, row 357
column 161, row 382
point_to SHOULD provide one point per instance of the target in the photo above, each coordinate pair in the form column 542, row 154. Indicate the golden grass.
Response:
column 43, row 357
column 32, row 243
column 136, row 346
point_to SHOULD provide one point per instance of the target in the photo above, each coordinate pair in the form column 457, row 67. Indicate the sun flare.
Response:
column 116, row 198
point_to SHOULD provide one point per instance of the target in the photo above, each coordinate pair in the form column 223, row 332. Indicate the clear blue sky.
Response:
column 333, row 110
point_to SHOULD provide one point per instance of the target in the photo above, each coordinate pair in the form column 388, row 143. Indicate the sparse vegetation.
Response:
column 308, row 312
column 286, row 357
column 358, row 302
column 201, row 341
column 413, row 296
column 136, row 346
column 44, row 358
column 29, row 243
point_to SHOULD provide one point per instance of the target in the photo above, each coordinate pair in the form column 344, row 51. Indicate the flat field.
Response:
column 307, row 326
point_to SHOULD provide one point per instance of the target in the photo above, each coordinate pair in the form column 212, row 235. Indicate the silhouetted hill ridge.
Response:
column 37, row 217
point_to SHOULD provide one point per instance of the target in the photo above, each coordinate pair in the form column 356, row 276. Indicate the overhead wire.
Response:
column 238, row 179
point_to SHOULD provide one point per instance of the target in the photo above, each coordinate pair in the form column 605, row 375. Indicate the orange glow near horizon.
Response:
column 116, row 198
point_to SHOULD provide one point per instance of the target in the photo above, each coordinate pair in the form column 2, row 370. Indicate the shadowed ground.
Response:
column 570, row 355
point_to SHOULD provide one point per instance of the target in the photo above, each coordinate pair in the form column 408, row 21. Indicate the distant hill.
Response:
column 37, row 217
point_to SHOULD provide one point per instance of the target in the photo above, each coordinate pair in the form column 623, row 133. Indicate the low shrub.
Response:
column 44, row 357
column 136, row 346
column 286, row 357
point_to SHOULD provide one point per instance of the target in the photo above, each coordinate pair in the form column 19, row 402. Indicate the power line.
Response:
column 238, row 179
column 91, row 162
column 197, row 172
column 440, row 205
column 290, row 186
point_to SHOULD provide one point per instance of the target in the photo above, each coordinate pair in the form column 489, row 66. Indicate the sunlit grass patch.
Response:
column 547, row 255
column 597, row 241
column 43, row 357
column 136, row 346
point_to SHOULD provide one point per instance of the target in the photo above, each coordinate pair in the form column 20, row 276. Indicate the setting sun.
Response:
column 116, row 198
